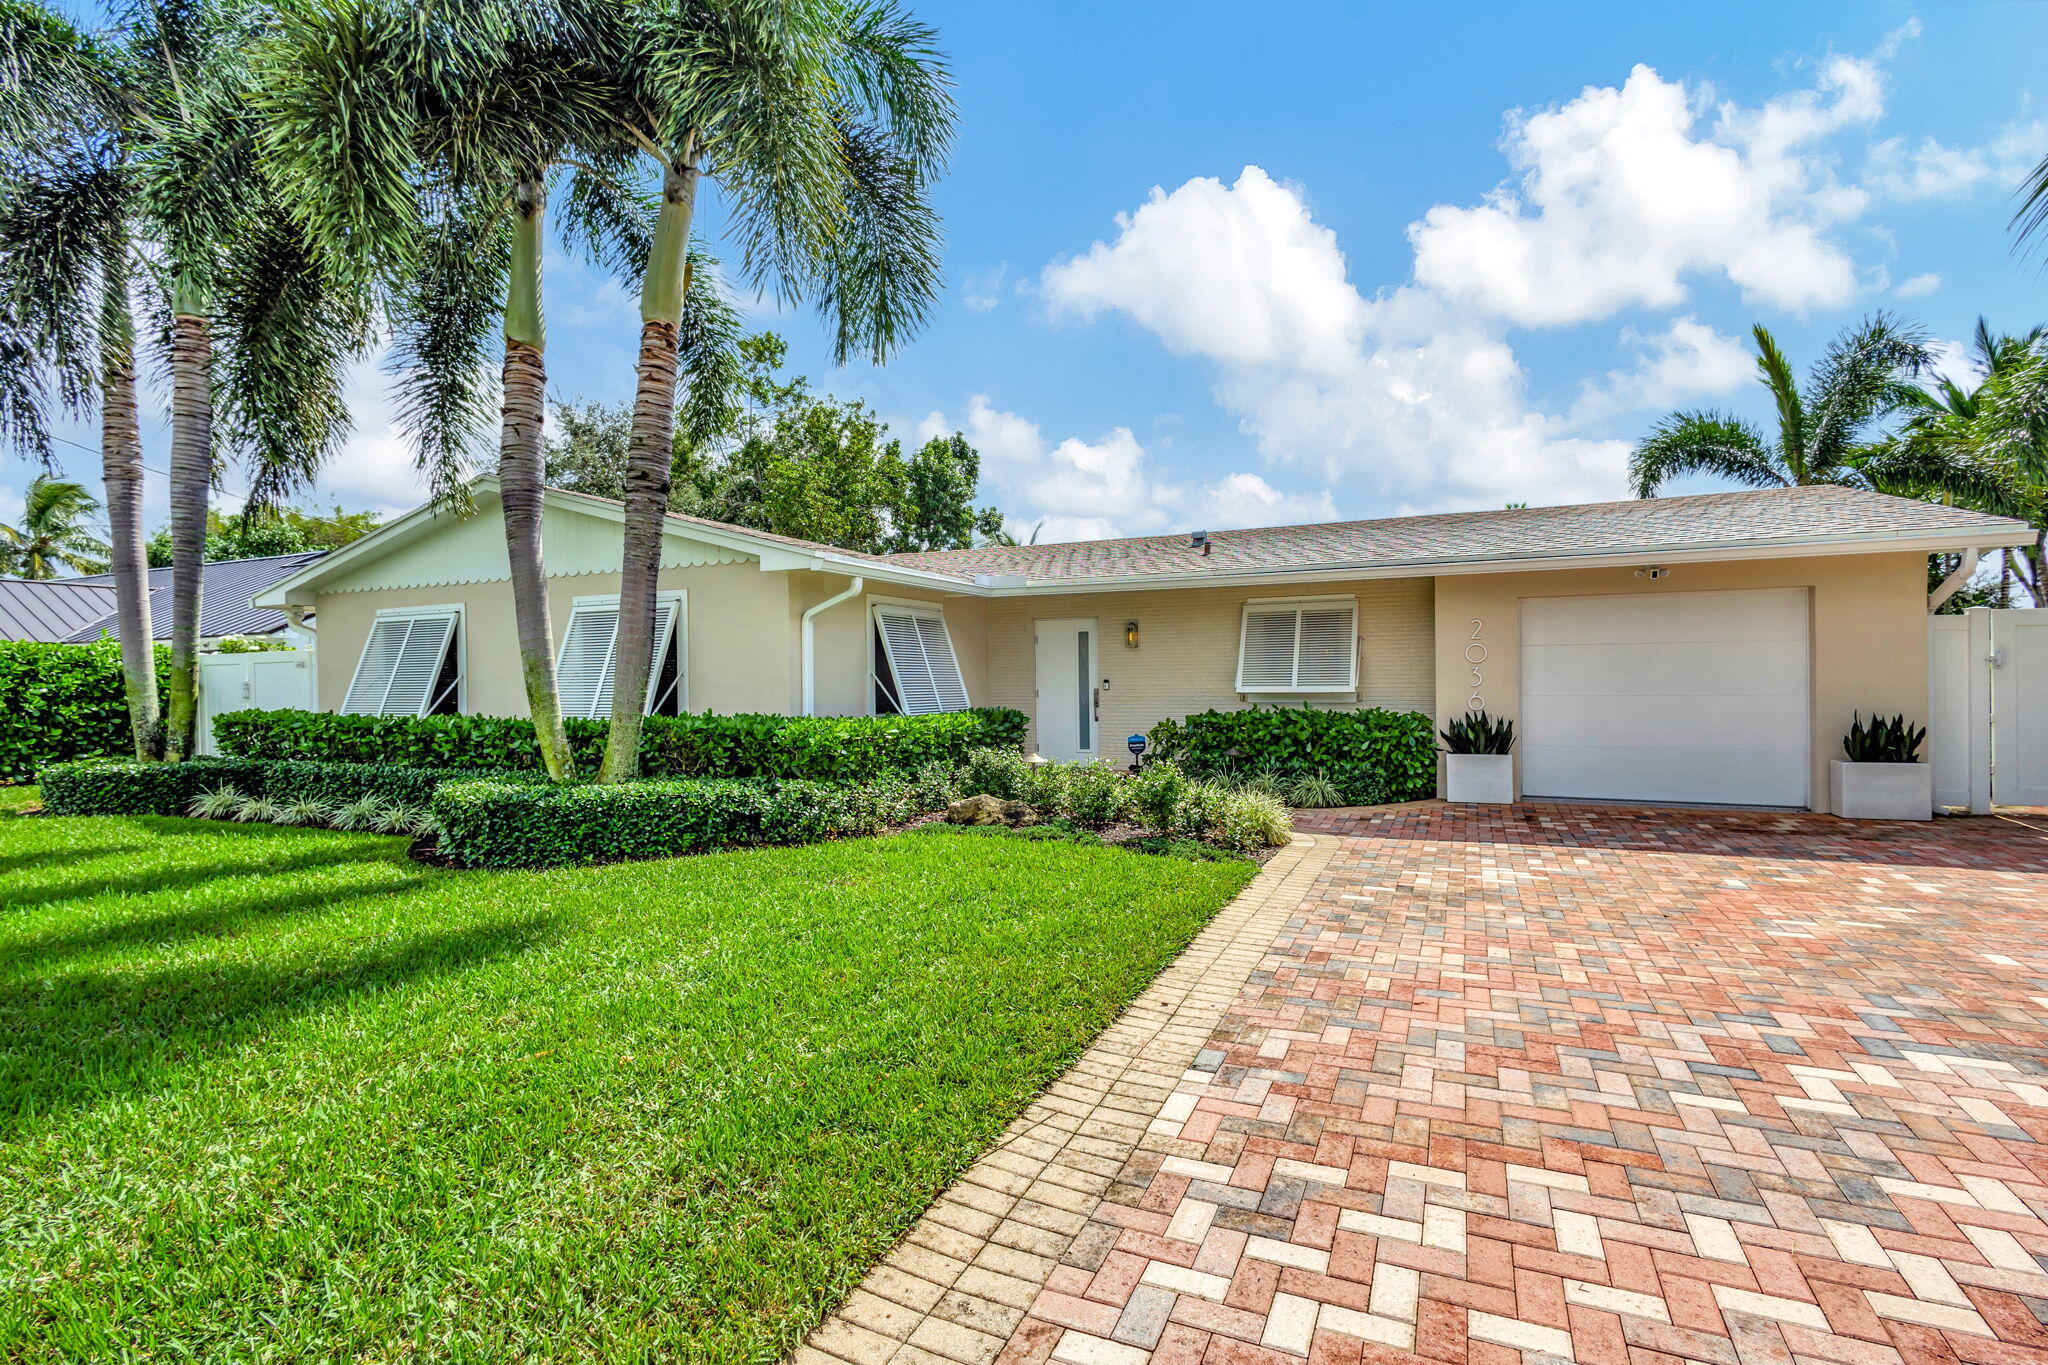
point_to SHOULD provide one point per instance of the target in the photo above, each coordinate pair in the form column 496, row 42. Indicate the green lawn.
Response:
column 275, row 1094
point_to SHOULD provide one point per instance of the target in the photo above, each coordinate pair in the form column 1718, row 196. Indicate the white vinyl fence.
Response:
column 1988, row 704
column 272, row 680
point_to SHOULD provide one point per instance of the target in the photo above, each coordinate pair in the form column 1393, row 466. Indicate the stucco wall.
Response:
column 736, row 616
column 1868, row 615
column 1186, row 659
column 841, row 635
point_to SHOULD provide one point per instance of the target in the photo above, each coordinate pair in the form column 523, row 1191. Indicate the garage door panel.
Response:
column 1752, row 669
column 1647, row 722
column 1667, row 697
column 1669, row 618
column 1764, row 778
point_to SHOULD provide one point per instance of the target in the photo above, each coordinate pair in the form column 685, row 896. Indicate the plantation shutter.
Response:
column 400, row 673
column 585, row 670
column 1299, row 647
column 920, row 655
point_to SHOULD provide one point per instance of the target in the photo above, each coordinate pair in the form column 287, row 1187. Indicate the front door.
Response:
column 1067, row 698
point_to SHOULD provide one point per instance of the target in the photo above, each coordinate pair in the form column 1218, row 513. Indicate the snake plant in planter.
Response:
column 1882, row 777
column 1479, row 763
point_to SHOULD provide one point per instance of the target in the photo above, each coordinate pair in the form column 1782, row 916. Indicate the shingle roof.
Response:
column 225, row 588
column 1647, row 525
column 51, row 610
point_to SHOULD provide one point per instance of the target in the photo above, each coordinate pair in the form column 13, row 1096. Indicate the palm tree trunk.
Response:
column 650, row 463
column 521, row 474
column 121, row 472
column 191, row 481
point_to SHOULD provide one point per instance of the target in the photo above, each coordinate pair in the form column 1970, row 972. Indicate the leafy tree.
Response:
column 276, row 531
column 1826, row 433
column 54, row 532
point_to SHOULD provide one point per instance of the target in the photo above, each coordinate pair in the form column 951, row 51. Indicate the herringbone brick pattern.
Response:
column 1563, row 1083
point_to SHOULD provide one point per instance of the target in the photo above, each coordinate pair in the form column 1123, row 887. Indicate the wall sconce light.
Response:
column 1130, row 634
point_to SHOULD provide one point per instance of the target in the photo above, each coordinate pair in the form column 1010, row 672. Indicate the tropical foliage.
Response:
column 1369, row 755
column 59, row 702
column 55, row 537
column 258, row 532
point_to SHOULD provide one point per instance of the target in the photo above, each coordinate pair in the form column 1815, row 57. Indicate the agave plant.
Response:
column 305, row 811
column 1475, row 732
column 221, row 803
column 360, row 814
column 259, row 810
column 1883, row 741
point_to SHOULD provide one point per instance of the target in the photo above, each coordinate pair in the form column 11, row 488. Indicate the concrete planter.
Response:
column 1881, row 791
column 1485, row 779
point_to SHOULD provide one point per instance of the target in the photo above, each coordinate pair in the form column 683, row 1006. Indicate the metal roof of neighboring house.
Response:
column 225, row 588
column 1648, row 526
column 50, row 610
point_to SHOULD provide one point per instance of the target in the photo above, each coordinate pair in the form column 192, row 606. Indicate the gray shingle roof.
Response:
column 52, row 610
column 1647, row 525
column 225, row 588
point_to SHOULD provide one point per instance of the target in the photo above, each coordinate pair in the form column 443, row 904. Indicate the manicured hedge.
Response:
column 1372, row 755
column 339, row 784
column 501, row 824
column 816, row 748
column 115, row 787
column 59, row 703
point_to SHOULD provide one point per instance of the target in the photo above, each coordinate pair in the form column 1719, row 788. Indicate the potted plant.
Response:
column 1882, row 778
column 1479, row 762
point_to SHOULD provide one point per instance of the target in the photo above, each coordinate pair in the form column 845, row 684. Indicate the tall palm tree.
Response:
column 822, row 123
column 424, row 142
column 129, row 166
column 1826, row 433
column 54, row 532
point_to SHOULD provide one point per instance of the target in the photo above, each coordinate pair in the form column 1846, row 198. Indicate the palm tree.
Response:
column 1825, row 433
column 129, row 163
column 822, row 123
column 423, row 143
column 53, row 533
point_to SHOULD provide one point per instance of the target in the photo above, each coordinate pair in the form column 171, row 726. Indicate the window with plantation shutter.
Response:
column 588, row 660
column 410, row 665
column 916, row 672
column 1305, row 646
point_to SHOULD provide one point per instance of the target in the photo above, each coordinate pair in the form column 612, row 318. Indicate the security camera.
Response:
column 1653, row 572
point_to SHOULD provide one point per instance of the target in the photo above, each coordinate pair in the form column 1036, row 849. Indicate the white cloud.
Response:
column 1110, row 486
column 982, row 290
column 1687, row 360
column 1930, row 169
column 375, row 467
column 1919, row 286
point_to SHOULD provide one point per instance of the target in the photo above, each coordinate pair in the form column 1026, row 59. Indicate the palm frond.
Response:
column 1942, row 471
column 890, row 62
column 1857, row 382
column 445, row 318
column 707, row 359
column 1702, row 443
column 607, row 215
column 879, row 282
column 1776, row 372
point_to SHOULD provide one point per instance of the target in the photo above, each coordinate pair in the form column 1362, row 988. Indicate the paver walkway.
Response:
column 1568, row 1083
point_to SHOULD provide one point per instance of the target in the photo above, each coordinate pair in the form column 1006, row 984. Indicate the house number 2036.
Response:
column 1475, row 655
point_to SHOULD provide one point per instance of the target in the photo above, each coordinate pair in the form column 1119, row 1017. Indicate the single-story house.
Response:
column 1698, row 649
column 225, row 589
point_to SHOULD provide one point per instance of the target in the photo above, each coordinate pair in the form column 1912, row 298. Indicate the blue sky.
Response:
column 1209, row 266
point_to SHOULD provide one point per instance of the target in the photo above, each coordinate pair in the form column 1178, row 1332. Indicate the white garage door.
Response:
column 1684, row 696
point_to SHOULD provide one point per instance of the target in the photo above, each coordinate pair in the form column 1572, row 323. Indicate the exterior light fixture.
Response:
column 1130, row 634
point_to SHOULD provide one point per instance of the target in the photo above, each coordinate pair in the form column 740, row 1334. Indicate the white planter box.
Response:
column 1488, row 779
column 1881, row 791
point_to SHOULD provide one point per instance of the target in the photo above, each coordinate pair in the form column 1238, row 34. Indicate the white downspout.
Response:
column 1953, row 584
column 810, row 660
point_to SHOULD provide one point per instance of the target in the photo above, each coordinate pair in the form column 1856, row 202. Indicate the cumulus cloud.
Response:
column 375, row 467
column 1076, row 489
column 1930, row 169
column 1686, row 361
column 1918, row 286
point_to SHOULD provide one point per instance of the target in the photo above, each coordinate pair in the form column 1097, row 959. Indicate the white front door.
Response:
column 1681, row 696
column 1067, row 697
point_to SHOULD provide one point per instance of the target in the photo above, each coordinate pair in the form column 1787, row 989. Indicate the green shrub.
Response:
column 1156, row 797
column 125, row 787
column 815, row 748
column 1045, row 787
column 996, row 772
column 61, row 703
column 1246, row 820
column 341, row 784
column 935, row 786
column 1370, row 756
column 1200, row 810
column 1312, row 790
column 503, row 824
column 1097, row 795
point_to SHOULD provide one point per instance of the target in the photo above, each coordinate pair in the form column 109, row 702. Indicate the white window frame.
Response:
column 407, row 613
column 936, row 610
column 1266, row 604
column 678, row 632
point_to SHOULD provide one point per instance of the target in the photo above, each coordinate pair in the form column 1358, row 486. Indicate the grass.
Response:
column 282, row 1094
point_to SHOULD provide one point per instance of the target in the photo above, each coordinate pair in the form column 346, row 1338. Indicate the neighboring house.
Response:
column 50, row 610
column 225, row 589
column 1707, row 648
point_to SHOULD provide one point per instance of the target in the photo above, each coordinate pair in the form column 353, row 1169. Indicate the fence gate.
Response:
column 272, row 680
column 1988, row 705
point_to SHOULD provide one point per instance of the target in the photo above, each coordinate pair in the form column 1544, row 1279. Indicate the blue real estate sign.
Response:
column 1137, row 745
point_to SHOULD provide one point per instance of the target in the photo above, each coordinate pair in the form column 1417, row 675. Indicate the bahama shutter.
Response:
column 404, row 665
column 586, row 666
column 921, row 660
column 1299, row 647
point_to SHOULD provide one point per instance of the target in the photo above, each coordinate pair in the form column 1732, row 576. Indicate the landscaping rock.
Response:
column 990, row 810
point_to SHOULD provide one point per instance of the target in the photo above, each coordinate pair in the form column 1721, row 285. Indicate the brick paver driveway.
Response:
column 1569, row 1083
